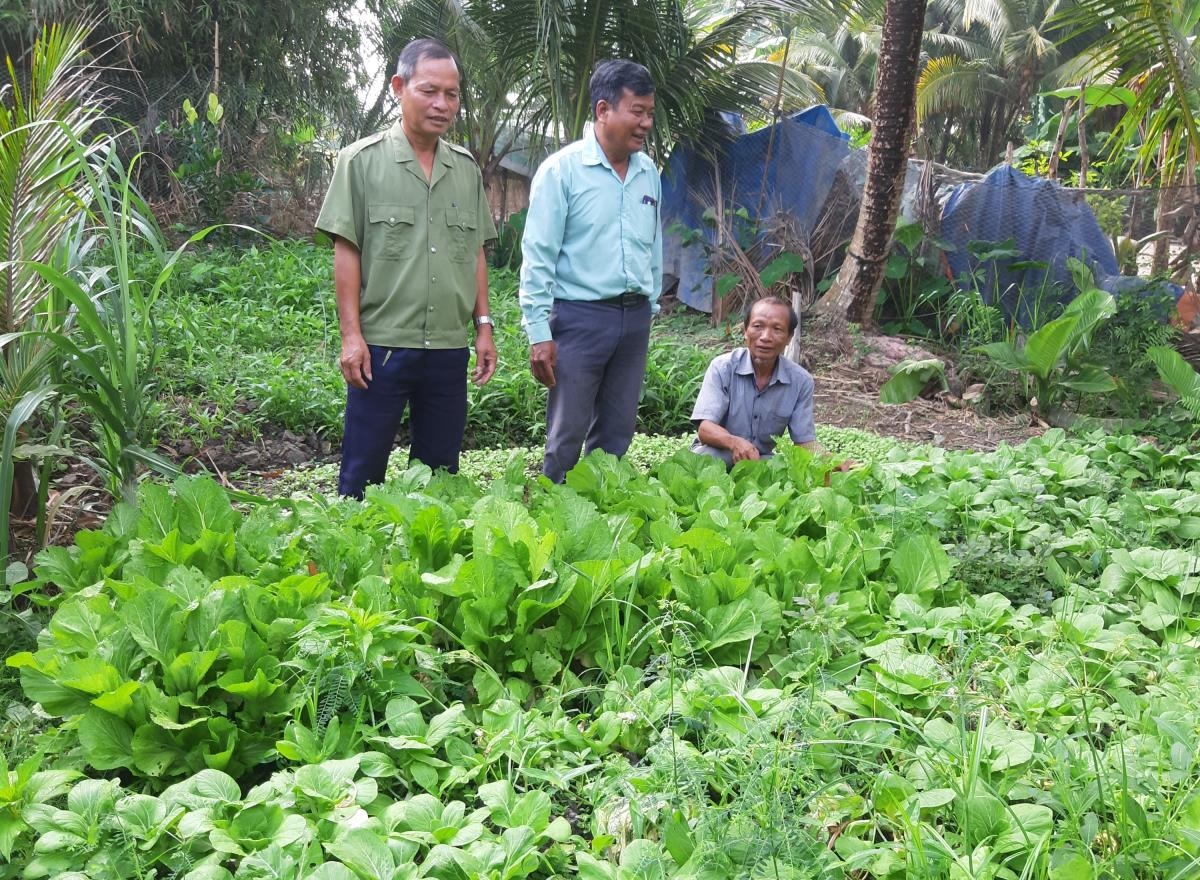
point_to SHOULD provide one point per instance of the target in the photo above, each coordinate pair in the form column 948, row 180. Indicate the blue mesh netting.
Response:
column 1045, row 225
column 806, row 151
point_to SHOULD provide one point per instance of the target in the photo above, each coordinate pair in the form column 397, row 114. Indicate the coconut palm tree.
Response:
column 837, row 45
column 987, row 61
column 1151, row 48
column 527, row 63
column 852, row 295
column 42, row 189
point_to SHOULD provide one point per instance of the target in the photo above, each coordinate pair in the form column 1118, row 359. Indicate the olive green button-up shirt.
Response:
column 418, row 238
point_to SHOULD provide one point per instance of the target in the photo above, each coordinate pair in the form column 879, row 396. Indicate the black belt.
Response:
column 628, row 300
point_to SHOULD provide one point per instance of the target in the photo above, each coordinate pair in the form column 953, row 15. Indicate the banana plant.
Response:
column 1054, row 358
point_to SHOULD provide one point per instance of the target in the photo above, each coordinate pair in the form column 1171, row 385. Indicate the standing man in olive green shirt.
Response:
column 408, row 215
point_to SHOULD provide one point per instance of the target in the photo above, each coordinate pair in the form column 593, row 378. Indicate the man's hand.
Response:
column 543, row 359
column 485, row 356
column 742, row 449
column 356, row 361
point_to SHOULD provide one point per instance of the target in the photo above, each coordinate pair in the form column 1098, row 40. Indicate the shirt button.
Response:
column 391, row 219
column 431, row 308
column 427, row 343
column 433, row 250
column 432, row 280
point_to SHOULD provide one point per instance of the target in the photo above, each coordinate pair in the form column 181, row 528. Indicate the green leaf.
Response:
column 920, row 565
column 202, row 505
column 891, row 794
column 1068, row 864
column 909, row 378
column 1090, row 379
column 1047, row 345
column 732, row 624
column 1179, row 375
column 933, row 798
column 186, row 671
column 725, row 284
column 152, row 619
column 142, row 817
column 779, row 268
column 155, row 752
column 1012, row 748
column 107, row 740
column 333, row 871
column 1097, row 95
column 1027, row 827
column 1006, row 355
column 207, row 788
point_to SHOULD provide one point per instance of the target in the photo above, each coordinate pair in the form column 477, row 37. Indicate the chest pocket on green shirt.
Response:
column 390, row 236
column 461, row 226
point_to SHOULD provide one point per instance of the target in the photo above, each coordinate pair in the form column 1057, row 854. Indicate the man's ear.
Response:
column 602, row 108
column 397, row 85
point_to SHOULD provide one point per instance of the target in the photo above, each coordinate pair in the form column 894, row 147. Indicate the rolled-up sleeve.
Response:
column 545, row 224
column 801, row 425
column 712, row 403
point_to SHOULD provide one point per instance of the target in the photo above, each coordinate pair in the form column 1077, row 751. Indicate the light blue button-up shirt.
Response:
column 588, row 234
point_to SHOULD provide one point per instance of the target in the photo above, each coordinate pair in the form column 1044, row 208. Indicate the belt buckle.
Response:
column 629, row 299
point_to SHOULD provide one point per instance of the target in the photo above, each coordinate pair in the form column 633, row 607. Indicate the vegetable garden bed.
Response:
column 940, row 665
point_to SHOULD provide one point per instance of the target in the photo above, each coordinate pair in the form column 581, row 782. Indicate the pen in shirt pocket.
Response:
column 650, row 200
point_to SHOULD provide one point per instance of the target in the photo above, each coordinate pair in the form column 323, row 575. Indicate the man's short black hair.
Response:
column 613, row 76
column 418, row 50
column 793, row 319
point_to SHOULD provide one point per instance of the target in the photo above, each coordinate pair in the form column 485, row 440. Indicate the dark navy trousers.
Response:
column 432, row 383
column 601, row 349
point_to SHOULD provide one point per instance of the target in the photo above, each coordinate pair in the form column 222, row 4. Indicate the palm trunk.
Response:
column 1166, row 206
column 1060, row 138
column 852, row 296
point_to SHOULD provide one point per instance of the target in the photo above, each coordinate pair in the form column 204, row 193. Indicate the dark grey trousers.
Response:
column 601, row 365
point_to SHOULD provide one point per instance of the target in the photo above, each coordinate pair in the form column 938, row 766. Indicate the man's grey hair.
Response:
column 412, row 55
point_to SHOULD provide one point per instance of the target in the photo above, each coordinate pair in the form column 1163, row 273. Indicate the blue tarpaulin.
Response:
column 805, row 153
column 1045, row 223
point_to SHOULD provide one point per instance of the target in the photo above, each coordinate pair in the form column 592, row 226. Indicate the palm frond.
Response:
column 1149, row 45
column 40, row 172
column 951, row 83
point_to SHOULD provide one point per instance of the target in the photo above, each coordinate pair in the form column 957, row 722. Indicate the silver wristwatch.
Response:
column 484, row 319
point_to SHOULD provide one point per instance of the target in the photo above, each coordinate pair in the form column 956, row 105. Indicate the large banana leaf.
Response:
column 1047, row 345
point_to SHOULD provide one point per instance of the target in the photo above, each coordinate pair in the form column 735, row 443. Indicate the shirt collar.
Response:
column 403, row 150
column 743, row 366
column 593, row 154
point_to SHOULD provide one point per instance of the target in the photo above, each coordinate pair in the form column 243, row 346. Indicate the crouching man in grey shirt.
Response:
column 751, row 394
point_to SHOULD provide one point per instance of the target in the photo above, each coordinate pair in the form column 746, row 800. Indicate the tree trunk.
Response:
column 852, row 296
column 1060, row 138
column 1166, row 206
column 1083, row 149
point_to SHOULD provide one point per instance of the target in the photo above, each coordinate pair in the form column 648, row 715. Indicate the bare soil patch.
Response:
column 849, row 370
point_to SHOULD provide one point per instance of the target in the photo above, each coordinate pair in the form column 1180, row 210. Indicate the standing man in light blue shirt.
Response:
column 592, row 271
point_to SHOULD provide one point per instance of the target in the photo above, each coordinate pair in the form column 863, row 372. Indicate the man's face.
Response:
column 429, row 99
column 623, row 129
column 767, row 333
